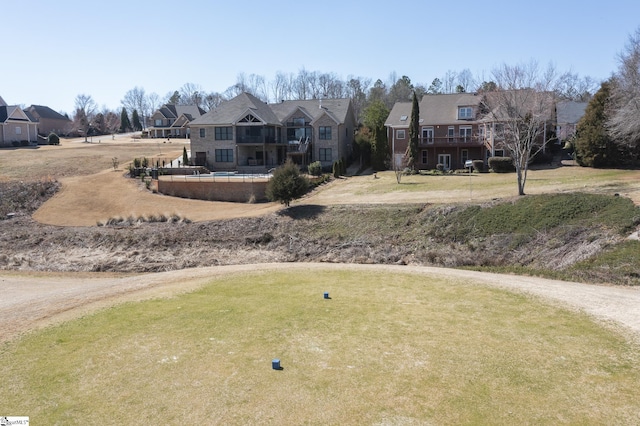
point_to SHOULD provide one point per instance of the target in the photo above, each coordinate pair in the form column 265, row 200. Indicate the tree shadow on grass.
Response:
column 307, row 211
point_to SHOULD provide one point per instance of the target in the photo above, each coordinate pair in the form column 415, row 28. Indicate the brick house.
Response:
column 49, row 120
column 450, row 130
column 249, row 135
column 173, row 120
column 16, row 127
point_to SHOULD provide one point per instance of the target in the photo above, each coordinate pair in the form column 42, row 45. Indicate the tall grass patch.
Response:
column 384, row 349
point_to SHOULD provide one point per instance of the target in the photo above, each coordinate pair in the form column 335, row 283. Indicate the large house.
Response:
column 569, row 113
column 450, row 131
column 49, row 121
column 248, row 134
column 173, row 120
column 16, row 127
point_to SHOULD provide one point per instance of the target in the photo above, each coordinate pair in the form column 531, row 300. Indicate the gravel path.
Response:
column 32, row 301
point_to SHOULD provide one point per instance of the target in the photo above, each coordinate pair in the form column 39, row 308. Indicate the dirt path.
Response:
column 32, row 301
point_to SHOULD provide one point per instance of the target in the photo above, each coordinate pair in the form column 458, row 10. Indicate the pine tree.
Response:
column 593, row 145
column 137, row 126
column 185, row 157
column 411, row 154
column 287, row 184
column 125, row 124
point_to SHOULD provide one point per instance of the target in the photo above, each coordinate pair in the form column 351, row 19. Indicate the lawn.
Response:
column 384, row 349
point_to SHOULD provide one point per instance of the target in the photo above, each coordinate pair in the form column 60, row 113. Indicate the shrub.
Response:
column 315, row 168
column 53, row 139
column 145, row 162
column 501, row 164
column 478, row 166
column 336, row 169
column 136, row 163
column 287, row 184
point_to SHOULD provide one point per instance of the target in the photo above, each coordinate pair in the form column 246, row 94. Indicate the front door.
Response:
column 445, row 160
column 201, row 158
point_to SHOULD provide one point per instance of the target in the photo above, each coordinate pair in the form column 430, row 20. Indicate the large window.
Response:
column 465, row 133
column 427, row 134
column 224, row 133
column 158, row 122
column 202, row 132
column 224, row 155
column 325, row 133
column 325, row 154
column 465, row 113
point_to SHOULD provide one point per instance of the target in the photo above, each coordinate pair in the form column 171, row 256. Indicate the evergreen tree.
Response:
column 287, row 184
column 374, row 117
column 593, row 145
column 185, row 157
column 125, row 124
column 411, row 155
column 137, row 126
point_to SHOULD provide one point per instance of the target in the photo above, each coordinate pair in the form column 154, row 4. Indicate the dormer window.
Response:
column 465, row 113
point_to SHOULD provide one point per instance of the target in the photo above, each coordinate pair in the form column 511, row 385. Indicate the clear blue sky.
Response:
column 54, row 50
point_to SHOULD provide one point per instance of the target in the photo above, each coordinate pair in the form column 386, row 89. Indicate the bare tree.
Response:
column 191, row 94
column 519, row 111
column 449, row 81
column 624, row 122
column 280, row 87
column 465, row 80
column 212, row 100
column 84, row 115
column 571, row 86
column 136, row 99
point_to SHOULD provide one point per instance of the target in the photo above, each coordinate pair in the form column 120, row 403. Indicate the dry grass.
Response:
column 385, row 349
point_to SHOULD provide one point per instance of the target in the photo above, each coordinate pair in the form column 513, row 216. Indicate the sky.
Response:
column 53, row 51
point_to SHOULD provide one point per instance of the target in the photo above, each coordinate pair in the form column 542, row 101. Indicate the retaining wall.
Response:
column 218, row 190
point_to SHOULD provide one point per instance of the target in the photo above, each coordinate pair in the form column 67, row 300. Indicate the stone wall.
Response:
column 218, row 190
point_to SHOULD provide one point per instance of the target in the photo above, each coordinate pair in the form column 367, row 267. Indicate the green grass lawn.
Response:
column 385, row 349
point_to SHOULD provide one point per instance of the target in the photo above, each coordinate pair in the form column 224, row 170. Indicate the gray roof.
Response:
column 338, row 109
column 233, row 110
column 570, row 112
column 434, row 110
column 41, row 111
column 175, row 111
column 230, row 112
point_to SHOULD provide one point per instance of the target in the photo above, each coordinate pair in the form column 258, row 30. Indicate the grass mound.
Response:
column 385, row 349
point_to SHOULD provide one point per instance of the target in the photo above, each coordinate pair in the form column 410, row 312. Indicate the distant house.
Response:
column 49, row 120
column 16, row 127
column 450, row 130
column 248, row 134
column 569, row 113
column 173, row 120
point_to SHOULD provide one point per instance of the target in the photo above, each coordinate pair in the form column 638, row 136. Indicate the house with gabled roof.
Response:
column 173, row 120
column 568, row 114
column 450, row 130
column 250, row 135
column 49, row 121
column 16, row 127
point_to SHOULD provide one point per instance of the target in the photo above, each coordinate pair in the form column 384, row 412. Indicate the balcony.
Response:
column 451, row 141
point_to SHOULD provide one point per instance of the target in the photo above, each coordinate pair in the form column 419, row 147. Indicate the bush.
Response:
column 501, row 164
column 478, row 166
column 287, row 184
column 315, row 168
column 53, row 139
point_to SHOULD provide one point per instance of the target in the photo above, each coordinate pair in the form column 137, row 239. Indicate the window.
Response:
column 325, row 133
column 451, row 132
column 158, row 122
column 325, row 154
column 465, row 113
column 202, row 132
column 424, row 156
column 224, row 133
column 464, row 156
column 224, row 155
column 399, row 134
column 427, row 134
column 499, row 152
column 465, row 133
column 404, row 118
column 18, row 130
